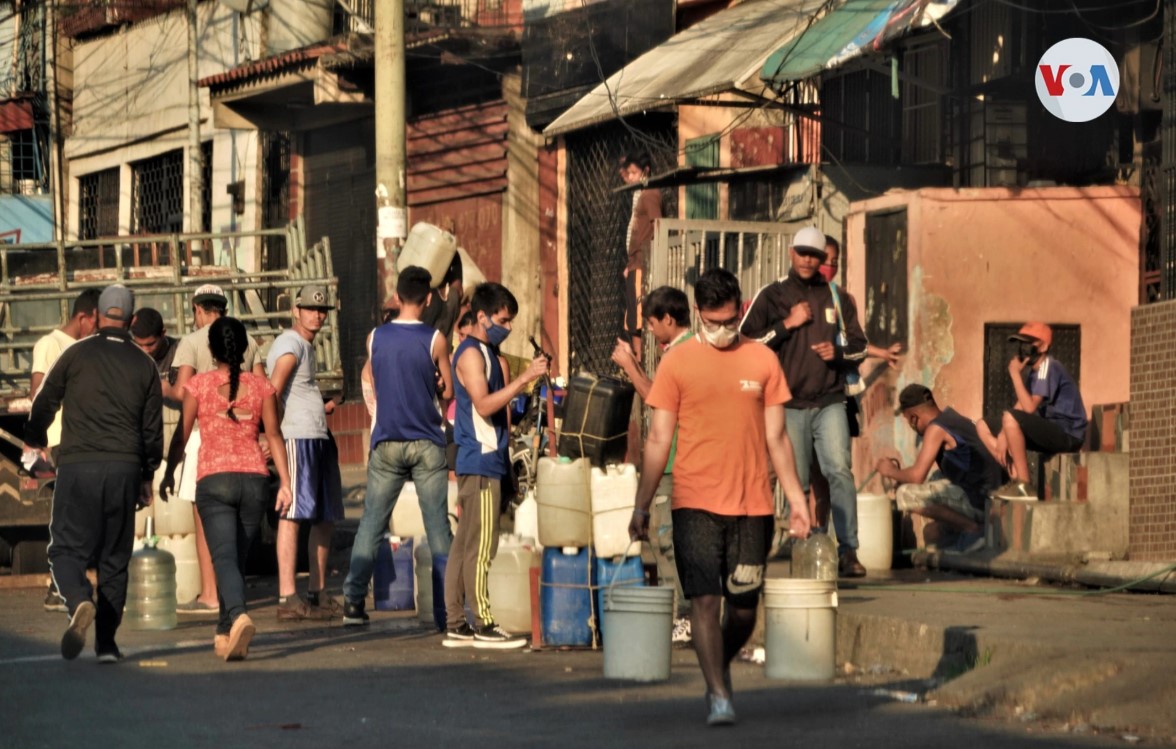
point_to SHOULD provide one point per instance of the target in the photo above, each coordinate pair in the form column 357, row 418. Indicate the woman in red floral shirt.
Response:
column 231, row 474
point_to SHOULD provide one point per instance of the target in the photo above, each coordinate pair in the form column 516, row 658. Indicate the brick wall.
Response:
column 350, row 425
column 1152, row 533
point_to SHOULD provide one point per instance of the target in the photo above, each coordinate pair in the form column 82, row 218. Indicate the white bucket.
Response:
column 641, row 622
column 875, row 531
column 800, row 629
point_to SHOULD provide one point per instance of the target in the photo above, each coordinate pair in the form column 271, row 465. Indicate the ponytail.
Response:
column 228, row 341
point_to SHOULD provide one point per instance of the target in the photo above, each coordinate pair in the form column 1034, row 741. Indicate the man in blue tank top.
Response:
column 971, row 473
column 481, row 433
column 412, row 378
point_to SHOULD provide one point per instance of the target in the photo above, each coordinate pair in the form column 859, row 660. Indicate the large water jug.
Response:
column 428, row 247
column 174, row 517
column 183, row 549
column 614, row 489
column 510, row 587
column 392, row 583
column 151, row 586
column 565, row 598
column 815, row 558
column 597, row 411
column 875, row 531
column 563, row 492
column 526, row 519
column 407, row 520
column 471, row 275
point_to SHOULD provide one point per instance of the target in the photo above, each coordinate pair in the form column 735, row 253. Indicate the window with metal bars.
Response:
column 28, row 166
column 98, row 204
column 157, row 194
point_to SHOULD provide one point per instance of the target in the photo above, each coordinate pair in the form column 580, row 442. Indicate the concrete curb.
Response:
column 1161, row 576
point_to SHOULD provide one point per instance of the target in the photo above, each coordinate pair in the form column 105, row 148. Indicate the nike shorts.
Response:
column 314, row 480
column 722, row 555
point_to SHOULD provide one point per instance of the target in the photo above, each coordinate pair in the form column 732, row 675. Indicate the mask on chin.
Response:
column 724, row 337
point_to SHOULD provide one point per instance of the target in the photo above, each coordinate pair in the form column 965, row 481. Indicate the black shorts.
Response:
column 1044, row 436
column 722, row 555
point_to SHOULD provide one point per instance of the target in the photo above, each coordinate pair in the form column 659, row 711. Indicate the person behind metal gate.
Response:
column 647, row 208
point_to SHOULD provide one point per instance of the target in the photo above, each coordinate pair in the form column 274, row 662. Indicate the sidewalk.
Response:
column 1070, row 658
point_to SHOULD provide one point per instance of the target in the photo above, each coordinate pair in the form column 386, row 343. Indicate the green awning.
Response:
column 841, row 34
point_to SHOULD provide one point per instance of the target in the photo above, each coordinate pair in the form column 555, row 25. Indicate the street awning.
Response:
column 848, row 31
column 720, row 54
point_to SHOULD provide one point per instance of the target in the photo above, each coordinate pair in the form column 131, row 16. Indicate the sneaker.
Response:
column 239, row 637
column 1015, row 490
column 74, row 639
column 460, row 637
column 494, row 637
column 967, row 543
column 681, row 634
column 294, row 609
column 54, row 601
column 354, row 615
column 849, row 566
column 720, row 711
column 113, row 655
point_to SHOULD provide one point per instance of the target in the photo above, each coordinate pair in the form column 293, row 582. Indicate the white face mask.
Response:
column 719, row 336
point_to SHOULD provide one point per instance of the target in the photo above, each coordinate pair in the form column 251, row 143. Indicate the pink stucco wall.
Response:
column 976, row 256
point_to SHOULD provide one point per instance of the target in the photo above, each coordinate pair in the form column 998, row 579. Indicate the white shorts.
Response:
column 186, row 488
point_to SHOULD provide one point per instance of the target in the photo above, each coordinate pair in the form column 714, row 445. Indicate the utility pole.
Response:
column 195, row 167
column 391, row 147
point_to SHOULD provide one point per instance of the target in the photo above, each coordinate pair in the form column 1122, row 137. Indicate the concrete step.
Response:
column 1099, row 477
column 1057, row 528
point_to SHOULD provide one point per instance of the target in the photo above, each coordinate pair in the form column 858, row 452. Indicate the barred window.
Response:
column 98, row 204
column 157, row 194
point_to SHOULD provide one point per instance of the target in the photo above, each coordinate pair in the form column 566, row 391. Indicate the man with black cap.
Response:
column 951, row 442
column 110, row 447
column 312, row 458
column 818, row 340
column 1049, row 415
column 193, row 357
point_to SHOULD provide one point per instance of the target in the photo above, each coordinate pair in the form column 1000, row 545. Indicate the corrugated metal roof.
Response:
column 723, row 53
column 850, row 30
column 286, row 61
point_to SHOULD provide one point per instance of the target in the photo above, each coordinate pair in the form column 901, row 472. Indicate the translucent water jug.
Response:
column 151, row 586
column 815, row 558
column 563, row 492
column 509, row 583
column 428, row 247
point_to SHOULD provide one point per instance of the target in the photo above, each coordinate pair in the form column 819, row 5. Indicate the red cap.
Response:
column 1034, row 331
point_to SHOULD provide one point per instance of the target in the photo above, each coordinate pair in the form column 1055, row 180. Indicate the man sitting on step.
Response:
column 955, row 502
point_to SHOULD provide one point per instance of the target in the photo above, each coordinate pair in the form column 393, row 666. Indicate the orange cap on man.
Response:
column 1034, row 331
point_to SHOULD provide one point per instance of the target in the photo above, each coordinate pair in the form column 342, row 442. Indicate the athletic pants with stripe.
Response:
column 474, row 545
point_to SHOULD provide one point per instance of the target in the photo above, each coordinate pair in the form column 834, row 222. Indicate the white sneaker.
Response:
column 681, row 632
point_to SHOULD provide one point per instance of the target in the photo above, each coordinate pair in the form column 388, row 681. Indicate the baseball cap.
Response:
column 809, row 239
column 1034, row 331
column 313, row 296
column 210, row 293
column 914, row 395
column 116, row 297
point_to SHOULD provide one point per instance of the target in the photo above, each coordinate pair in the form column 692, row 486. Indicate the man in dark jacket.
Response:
column 112, row 442
column 818, row 339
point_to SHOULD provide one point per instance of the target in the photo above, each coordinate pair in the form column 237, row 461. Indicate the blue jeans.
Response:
column 390, row 464
column 231, row 506
column 826, row 431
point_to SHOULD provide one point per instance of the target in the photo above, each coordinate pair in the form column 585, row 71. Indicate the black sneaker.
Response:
column 494, row 637
column 113, row 655
column 353, row 614
column 461, row 637
column 54, row 601
column 74, row 639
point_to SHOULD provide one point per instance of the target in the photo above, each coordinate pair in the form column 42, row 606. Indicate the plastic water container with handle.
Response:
column 151, row 586
column 428, row 247
column 614, row 489
column 563, row 491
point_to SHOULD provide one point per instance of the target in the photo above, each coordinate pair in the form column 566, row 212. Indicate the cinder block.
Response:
column 1087, row 477
column 1053, row 528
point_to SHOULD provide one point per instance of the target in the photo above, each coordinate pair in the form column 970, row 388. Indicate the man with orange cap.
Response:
column 1048, row 417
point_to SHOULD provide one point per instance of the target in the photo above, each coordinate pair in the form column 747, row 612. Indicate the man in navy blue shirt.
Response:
column 1048, row 417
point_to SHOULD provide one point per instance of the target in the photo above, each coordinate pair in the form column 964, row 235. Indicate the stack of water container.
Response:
column 583, row 518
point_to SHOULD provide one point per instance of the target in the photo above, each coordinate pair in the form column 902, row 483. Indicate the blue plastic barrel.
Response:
column 628, row 572
column 565, row 598
column 392, row 579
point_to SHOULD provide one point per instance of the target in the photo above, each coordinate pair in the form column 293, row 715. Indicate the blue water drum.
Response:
column 440, row 562
column 392, row 577
column 565, row 598
column 626, row 571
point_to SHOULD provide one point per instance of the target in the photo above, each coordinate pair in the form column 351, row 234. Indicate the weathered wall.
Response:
column 1152, row 529
column 997, row 255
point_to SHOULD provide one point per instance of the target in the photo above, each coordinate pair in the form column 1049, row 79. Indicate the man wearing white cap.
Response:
column 194, row 357
column 818, row 339
column 111, row 444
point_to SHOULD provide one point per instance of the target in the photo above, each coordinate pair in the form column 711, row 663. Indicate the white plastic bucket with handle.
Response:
column 640, row 623
column 875, row 531
column 800, row 618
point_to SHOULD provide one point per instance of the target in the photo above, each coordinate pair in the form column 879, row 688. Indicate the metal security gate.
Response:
column 1167, row 259
column 683, row 249
column 598, row 218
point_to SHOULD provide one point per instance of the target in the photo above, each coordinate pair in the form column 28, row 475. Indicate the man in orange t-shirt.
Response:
column 725, row 396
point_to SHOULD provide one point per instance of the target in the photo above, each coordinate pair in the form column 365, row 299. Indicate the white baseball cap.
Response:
column 810, row 239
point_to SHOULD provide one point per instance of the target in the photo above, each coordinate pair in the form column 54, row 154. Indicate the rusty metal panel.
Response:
column 757, row 146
